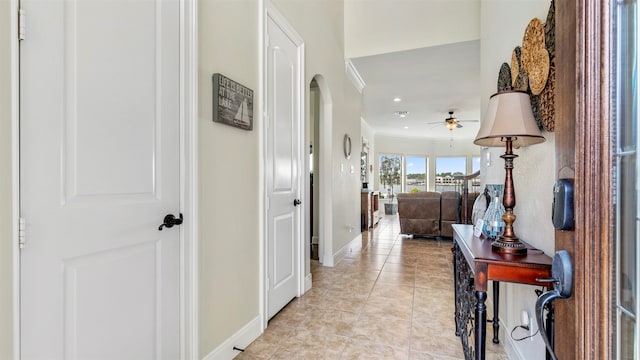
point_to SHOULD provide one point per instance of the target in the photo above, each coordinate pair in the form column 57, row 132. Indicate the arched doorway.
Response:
column 319, row 192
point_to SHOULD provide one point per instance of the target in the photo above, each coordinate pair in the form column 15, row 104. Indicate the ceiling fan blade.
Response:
column 468, row 120
column 458, row 125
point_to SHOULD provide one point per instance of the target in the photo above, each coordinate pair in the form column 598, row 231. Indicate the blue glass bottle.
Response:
column 493, row 226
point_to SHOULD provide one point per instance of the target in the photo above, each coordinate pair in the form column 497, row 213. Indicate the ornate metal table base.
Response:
column 465, row 301
column 470, row 305
column 475, row 264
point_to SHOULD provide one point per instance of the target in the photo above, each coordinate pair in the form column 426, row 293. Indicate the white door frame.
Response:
column 188, row 177
column 15, row 173
column 270, row 11
column 325, row 166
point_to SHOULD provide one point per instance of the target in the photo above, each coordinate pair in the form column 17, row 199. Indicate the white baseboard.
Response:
column 308, row 280
column 327, row 260
column 241, row 339
column 505, row 339
column 354, row 245
column 510, row 345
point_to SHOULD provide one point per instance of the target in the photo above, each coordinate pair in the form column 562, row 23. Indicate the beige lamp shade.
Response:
column 509, row 115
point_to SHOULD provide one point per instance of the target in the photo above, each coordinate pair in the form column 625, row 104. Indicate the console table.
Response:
column 369, row 209
column 474, row 265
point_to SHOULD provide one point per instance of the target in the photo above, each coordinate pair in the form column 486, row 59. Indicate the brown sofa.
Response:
column 429, row 213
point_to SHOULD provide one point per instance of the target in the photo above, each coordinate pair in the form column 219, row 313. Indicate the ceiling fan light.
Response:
column 451, row 125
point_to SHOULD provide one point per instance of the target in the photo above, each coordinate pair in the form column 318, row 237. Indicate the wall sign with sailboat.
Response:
column 232, row 103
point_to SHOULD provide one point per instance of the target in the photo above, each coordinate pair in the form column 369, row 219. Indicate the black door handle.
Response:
column 296, row 202
column 562, row 279
column 170, row 220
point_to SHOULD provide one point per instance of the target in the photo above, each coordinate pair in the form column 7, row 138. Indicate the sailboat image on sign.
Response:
column 232, row 103
column 242, row 116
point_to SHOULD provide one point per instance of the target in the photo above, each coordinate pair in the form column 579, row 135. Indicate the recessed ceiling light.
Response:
column 406, row 127
column 402, row 114
column 396, row 99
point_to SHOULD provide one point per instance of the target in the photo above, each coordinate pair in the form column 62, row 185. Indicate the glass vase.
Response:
column 480, row 206
column 493, row 225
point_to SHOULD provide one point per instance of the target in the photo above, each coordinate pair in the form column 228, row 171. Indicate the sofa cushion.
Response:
column 426, row 227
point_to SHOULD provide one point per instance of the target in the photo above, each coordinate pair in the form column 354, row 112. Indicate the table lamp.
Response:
column 509, row 122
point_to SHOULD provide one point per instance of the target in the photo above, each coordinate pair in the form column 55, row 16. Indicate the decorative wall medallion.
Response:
column 547, row 97
column 538, row 72
column 547, row 102
column 519, row 78
column 535, row 108
column 550, row 32
column 515, row 64
column 535, row 57
column 504, row 78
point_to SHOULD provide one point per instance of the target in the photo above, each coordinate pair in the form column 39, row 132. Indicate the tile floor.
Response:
column 392, row 300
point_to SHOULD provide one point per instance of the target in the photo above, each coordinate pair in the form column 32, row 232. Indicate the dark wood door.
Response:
column 583, row 153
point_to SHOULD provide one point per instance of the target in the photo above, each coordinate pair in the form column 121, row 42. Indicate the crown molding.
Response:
column 355, row 77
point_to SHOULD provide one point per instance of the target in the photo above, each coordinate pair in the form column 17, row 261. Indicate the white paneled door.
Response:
column 283, row 167
column 100, row 149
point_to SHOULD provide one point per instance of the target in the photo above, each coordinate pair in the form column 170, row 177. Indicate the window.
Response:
column 475, row 164
column 625, row 184
column 447, row 168
column 390, row 179
column 416, row 174
column 475, row 182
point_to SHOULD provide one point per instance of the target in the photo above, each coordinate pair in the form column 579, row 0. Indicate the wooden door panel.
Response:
column 583, row 152
column 567, row 317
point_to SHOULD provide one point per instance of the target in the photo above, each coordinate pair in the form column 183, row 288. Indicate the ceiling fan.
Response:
column 452, row 122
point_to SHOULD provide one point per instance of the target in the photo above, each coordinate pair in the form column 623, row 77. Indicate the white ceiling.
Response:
column 430, row 81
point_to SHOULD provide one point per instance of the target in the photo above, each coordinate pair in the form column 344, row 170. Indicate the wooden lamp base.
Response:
column 503, row 246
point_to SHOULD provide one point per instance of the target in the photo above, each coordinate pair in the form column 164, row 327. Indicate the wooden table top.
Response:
column 491, row 265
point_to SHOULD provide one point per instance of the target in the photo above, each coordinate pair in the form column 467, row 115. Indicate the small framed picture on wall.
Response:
column 232, row 103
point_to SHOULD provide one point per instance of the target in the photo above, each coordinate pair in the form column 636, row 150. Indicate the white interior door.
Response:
column 99, row 93
column 283, row 167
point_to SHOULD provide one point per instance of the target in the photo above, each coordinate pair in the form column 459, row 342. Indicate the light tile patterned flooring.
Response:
column 392, row 300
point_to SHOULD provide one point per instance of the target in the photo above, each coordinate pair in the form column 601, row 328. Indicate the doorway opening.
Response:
column 319, row 165
column 314, row 120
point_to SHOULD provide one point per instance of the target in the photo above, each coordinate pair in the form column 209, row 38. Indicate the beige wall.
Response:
column 229, row 158
column 228, row 182
column 534, row 169
column 320, row 24
column 6, row 243
column 382, row 26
